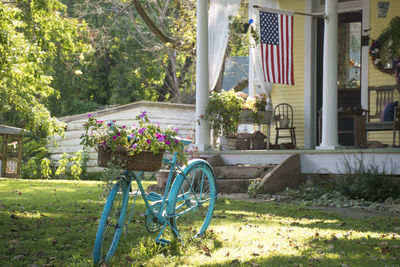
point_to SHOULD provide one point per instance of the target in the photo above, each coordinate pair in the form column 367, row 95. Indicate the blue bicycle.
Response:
column 186, row 206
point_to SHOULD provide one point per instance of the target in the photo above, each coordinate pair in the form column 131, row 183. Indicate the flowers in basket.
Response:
column 143, row 136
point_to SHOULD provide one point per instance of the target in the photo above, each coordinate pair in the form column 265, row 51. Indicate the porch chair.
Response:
column 384, row 96
column 283, row 116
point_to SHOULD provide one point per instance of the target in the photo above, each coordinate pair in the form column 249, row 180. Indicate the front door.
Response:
column 349, row 72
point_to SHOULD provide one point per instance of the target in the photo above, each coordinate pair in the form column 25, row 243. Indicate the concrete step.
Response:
column 242, row 171
column 230, row 186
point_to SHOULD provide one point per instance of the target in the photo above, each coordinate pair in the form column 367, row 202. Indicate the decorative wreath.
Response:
column 385, row 50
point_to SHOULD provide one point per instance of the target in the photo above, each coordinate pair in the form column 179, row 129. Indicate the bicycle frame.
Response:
column 164, row 220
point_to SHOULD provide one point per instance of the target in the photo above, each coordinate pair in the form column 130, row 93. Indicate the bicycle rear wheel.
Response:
column 111, row 222
column 191, row 200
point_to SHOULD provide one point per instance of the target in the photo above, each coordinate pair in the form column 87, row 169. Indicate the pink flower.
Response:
column 176, row 140
column 119, row 134
column 148, row 141
column 134, row 146
column 114, row 137
column 123, row 126
column 167, row 142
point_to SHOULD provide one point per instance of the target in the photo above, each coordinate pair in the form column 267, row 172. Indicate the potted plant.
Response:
column 255, row 110
column 282, row 120
column 140, row 147
column 223, row 113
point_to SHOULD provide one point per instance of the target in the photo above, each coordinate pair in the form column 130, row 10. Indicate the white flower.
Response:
column 78, row 72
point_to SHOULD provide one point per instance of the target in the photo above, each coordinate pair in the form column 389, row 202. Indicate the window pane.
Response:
column 349, row 55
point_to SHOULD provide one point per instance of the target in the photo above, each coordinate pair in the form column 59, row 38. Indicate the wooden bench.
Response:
column 384, row 95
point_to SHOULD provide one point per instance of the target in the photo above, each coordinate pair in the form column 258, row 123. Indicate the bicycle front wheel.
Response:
column 111, row 222
column 191, row 200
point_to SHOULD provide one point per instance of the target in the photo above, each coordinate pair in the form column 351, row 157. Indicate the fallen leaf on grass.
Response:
column 18, row 257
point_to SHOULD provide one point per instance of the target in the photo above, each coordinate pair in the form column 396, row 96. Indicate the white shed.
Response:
column 181, row 116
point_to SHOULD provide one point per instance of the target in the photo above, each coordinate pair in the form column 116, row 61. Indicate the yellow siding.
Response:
column 294, row 95
column 377, row 77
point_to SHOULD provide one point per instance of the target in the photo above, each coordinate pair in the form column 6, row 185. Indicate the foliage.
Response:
column 72, row 166
column 45, row 169
column 386, row 48
column 30, row 169
column 368, row 181
column 32, row 35
column 54, row 222
column 145, row 136
column 223, row 112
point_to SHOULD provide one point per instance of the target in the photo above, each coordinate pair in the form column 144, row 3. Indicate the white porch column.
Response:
column 310, row 95
column 330, row 74
column 364, row 57
column 202, row 92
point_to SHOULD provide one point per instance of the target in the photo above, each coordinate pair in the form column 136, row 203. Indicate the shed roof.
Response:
column 4, row 129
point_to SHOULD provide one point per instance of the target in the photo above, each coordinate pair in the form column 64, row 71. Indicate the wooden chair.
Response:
column 283, row 116
column 384, row 95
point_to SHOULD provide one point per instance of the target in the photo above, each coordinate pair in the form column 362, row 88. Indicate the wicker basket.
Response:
column 144, row 161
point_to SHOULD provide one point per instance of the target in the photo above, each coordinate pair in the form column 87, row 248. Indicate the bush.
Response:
column 367, row 181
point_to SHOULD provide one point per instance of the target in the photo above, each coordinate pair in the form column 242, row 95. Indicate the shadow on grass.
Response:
column 240, row 211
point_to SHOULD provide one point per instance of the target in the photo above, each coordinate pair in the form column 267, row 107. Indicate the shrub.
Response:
column 366, row 181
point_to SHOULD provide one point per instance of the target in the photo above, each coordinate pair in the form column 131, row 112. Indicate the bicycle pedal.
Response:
column 152, row 196
column 163, row 242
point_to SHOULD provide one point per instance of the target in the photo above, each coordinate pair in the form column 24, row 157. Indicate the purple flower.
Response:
column 109, row 124
column 123, row 126
column 148, row 141
column 157, row 123
column 89, row 115
column 167, row 142
column 141, row 131
column 143, row 114
column 114, row 137
column 104, row 143
column 176, row 140
column 175, row 130
column 134, row 125
column 119, row 134
column 134, row 146
column 132, row 135
column 160, row 139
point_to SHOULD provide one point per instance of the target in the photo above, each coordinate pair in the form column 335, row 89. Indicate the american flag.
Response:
column 276, row 31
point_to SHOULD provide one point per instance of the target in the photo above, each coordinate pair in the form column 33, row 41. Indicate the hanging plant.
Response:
column 385, row 50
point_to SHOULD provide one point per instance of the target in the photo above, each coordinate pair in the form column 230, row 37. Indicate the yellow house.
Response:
column 354, row 17
column 332, row 67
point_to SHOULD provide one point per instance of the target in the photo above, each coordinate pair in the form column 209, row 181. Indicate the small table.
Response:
column 263, row 117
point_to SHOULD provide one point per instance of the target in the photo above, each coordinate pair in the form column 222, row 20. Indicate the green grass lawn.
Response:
column 53, row 223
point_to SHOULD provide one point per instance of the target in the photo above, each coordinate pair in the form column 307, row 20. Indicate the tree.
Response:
column 134, row 62
column 32, row 35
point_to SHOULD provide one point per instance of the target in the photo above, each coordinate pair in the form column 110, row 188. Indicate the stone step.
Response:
column 229, row 186
column 242, row 171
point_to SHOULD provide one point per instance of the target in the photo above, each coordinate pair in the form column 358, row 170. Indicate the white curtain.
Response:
column 256, row 55
column 218, row 33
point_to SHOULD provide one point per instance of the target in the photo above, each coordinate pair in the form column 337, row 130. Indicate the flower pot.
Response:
column 144, row 161
column 248, row 116
column 227, row 143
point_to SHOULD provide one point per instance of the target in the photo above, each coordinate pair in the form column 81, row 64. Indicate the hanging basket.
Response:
column 144, row 161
